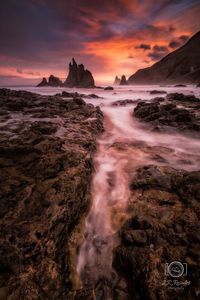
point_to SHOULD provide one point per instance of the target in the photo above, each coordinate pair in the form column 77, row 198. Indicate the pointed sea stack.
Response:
column 78, row 76
column 54, row 81
column 43, row 82
column 117, row 80
column 123, row 80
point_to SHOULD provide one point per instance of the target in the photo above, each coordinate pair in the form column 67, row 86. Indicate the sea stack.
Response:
column 52, row 81
column 78, row 76
column 117, row 80
column 123, row 80
column 43, row 82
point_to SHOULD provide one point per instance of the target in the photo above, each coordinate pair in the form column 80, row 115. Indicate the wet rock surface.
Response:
column 177, row 111
column 163, row 227
column 46, row 149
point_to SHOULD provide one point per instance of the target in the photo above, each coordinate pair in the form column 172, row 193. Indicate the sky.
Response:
column 110, row 37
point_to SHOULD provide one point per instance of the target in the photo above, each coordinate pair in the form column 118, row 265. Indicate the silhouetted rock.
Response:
column 180, row 66
column 52, row 81
column 117, row 80
column 198, row 85
column 109, row 88
column 43, row 82
column 78, row 76
column 180, row 85
column 123, row 80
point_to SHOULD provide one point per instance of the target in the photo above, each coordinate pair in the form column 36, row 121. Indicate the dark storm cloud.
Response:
column 174, row 44
column 158, row 52
column 143, row 46
column 179, row 41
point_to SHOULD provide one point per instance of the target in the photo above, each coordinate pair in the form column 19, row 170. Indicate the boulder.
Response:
column 109, row 88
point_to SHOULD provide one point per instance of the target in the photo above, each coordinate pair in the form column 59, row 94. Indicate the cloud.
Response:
column 26, row 72
column 179, row 41
column 143, row 46
column 158, row 52
column 41, row 36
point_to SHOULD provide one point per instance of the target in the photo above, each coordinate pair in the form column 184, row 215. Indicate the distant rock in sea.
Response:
column 123, row 80
column 117, row 80
column 181, row 66
column 52, row 81
column 109, row 88
column 78, row 76
column 43, row 82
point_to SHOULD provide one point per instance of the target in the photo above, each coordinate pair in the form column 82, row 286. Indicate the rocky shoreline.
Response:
column 46, row 149
column 47, row 145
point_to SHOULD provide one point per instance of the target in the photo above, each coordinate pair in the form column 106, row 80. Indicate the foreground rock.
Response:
column 163, row 114
column 78, row 76
column 163, row 227
column 46, row 149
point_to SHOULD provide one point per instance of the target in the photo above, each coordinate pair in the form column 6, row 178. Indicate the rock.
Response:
column 54, row 81
column 45, row 175
column 162, row 227
column 123, row 102
column 109, row 88
column 123, row 80
column 117, row 80
column 182, row 98
column 134, row 237
column 43, row 83
column 180, row 85
column 166, row 115
column 181, row 66
column 154, row 92
column 78, row 76
column 198, row 85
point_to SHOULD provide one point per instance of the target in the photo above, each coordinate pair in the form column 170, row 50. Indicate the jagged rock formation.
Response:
column 45, row 172
column 78, row 76
column 180, row 66
column 44, row 82
column 52, row 81
column 117, row 80
column 123, row 80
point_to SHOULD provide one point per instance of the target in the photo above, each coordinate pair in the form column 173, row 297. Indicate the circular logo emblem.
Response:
column 176, row 269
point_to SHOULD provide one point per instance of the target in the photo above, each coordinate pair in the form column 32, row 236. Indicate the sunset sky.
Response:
column 111, row 37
